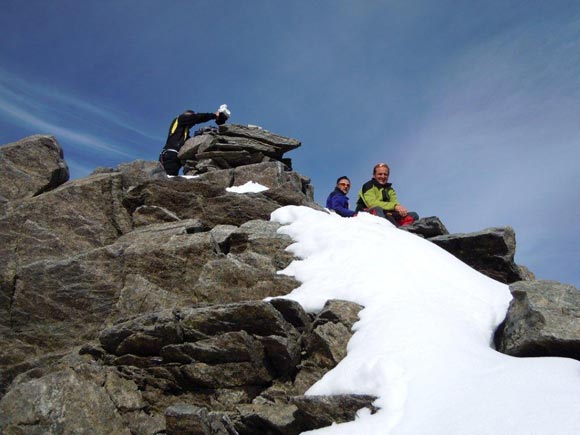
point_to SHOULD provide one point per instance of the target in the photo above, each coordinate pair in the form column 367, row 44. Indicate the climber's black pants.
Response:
column 170, row 161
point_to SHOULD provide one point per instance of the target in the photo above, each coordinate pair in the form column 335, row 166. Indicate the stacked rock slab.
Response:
column 233, row 145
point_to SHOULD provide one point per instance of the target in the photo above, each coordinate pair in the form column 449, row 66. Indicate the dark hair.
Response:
column 342, row 178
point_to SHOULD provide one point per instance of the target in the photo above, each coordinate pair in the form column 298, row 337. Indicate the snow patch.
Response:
column 249, row 187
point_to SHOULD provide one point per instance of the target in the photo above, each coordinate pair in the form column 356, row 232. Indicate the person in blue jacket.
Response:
column 337, row 200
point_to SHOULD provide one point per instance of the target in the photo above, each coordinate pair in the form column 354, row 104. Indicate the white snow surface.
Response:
column 188, row 177
column 249, row 187
column 423, row 344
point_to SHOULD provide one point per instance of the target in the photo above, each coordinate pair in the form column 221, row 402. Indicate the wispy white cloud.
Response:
column 505, row 121
column 81, row 169
column 500, row 144
column 62, row 133
column 71, row 118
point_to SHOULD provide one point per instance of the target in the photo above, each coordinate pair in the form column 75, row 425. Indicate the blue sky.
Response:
column 475, row 105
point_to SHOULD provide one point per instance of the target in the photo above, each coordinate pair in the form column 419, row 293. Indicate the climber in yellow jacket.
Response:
column 377, row 196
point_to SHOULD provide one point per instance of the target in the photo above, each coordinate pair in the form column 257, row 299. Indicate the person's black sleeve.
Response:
column 191, row 119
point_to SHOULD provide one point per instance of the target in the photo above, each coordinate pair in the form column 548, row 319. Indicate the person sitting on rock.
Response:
column 337, row 200
column 179, row 133
column 378, row 197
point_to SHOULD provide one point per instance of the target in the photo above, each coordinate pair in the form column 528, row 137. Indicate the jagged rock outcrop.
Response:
column 66, row 266
column 31, row 166
column 490, row 251
column 131, row 302
column 140, row 260
column 189, row 368
column 543, row 320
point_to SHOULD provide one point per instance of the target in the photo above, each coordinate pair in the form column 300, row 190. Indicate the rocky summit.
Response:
column 135, row 303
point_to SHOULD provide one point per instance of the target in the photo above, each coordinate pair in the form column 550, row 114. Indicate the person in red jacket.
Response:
column 179, row 133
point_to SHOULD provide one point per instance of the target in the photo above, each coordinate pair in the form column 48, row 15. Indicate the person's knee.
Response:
column 377, row 211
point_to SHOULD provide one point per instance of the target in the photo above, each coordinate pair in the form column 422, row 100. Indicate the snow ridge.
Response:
column 423, row 343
